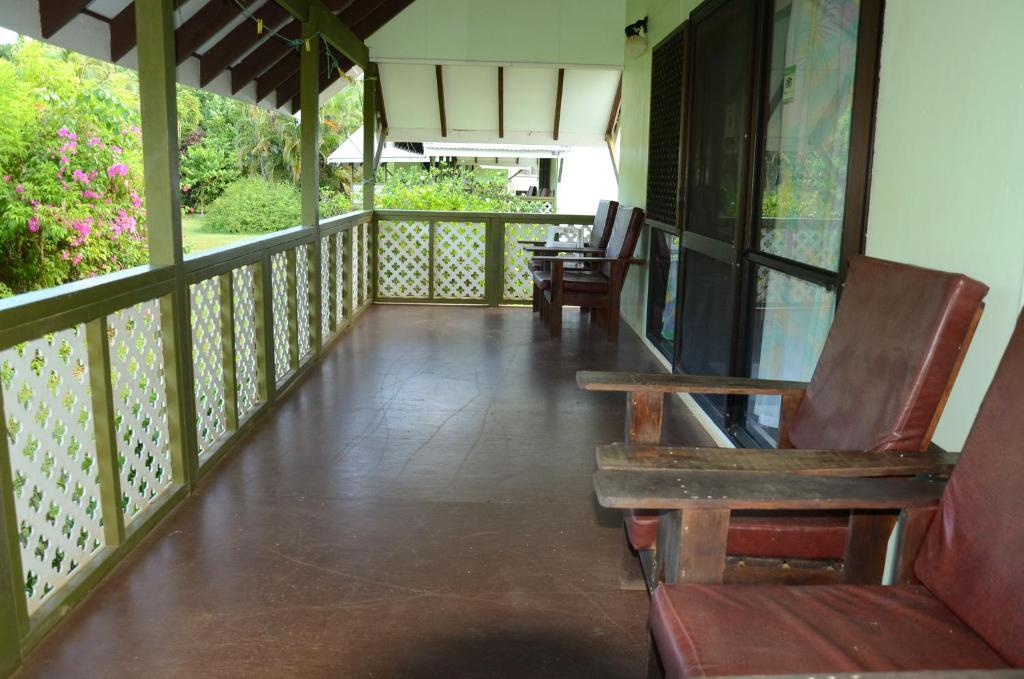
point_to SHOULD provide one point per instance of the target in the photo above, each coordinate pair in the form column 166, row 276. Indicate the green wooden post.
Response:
column 227, row 344
column 266, row 360
column 154, row 28
column 369, row 130
column 105, row 429
column 293, row 310
column 13, row 606
column 309, row 149
column 494, row 261
column 348, row 239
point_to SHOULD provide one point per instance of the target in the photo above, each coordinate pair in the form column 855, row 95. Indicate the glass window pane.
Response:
column 718, row 121
column 790, row 322
column 661, row 291
column 807, row 140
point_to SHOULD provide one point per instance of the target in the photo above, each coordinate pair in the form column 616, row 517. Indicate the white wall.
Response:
column 947, row 188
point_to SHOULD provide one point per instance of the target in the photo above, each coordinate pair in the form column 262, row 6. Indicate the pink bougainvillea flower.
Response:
column 94, row 141
column 80, row 176
column 136, row 201
column 63, row 132
column 19, row 189
column 33, row 223
column 72, row 136
column 64, row 160
column 7, row 177
column 70, row 147
column 92, row 175
column 116, row 149
column 117, row 169
column 77, row 259
column 64, row 254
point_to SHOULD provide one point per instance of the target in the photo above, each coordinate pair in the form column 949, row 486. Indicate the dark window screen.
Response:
column 707, row 318
column 664, row 138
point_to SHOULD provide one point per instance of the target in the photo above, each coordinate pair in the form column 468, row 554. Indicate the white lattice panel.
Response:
column 339, row 278
column 403, row 259
column 365, row 272
column 48, row 417
column 326, row 327
column 302, row 306
column 247, row 377
column 279, row 292
column 460, row 260
column 517, row 282
column 140, row 405
column 208, row 364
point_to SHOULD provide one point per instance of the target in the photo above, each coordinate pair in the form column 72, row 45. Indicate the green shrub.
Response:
column 455, row 188
column 333, row 203
column 255, row 205
column 206, row 170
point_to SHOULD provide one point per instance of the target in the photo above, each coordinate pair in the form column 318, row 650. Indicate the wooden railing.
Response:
column 112, row 411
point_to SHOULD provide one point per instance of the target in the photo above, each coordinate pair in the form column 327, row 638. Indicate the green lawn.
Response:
column 198, row 238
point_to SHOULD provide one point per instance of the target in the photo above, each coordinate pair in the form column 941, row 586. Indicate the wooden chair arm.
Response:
column 683, row 490
column 835, row 463
column 696, row 384
column 568, row 248
column 532, row 242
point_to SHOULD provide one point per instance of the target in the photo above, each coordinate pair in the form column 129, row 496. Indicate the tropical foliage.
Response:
column 71, row 168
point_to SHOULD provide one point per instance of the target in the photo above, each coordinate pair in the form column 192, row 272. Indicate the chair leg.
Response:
column 631, row 574
column 536, row 299
column 555, row 317
column 543, row 308
column 613, row 323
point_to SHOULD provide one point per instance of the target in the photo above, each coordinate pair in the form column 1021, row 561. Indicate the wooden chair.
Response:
column 890, row 360
column 597, row 288
column 958, row 601
column 600, row 232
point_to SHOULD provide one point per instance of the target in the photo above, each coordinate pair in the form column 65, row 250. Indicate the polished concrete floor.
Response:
column 420, row 506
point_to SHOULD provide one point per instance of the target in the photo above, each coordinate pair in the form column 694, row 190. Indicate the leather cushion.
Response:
column 973, row 555
column 718, row 630
column 574, row 281
column 782, row 536
column 887, row 360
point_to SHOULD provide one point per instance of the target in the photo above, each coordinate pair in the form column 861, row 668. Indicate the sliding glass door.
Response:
column 775, row 183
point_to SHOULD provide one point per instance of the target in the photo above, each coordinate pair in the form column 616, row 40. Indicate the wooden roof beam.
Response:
column 236, row 43
column 55, row 14
column 438, row 74
column 501, row 102
column 558, row 103
column 340, row 36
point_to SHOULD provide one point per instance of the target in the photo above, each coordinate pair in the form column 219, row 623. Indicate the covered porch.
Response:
column 418, row 505
column 348, row 448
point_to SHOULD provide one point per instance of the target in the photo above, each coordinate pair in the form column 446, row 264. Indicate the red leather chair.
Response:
column 958, row 606
column 888, row 364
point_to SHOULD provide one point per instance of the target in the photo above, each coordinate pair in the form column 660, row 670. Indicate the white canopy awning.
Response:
column 351, row 152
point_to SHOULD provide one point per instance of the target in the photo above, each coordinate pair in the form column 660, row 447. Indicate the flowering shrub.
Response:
column 70, row 181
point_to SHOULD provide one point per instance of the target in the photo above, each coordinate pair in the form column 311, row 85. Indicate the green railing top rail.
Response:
column 28, row 315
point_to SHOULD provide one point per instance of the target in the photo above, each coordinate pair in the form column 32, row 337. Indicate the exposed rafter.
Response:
column 558, row 103
column 438, row 73
column 501, row 102
column 55, row 14
column 239, row 41
column 332, row 29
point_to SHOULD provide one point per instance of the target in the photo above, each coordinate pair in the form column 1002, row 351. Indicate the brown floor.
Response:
column 420, row 506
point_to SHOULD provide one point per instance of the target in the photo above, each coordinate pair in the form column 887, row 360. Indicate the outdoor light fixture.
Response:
column 636, row 40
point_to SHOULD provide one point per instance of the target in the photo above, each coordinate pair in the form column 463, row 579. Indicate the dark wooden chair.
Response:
column 596, row 243
column 597, row 287
column 889, row 362
column 958, row 601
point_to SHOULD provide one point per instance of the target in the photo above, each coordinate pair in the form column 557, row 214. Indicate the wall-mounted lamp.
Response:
column 636, row 38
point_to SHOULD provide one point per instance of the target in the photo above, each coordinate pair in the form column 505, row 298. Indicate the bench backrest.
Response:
column 887, row 363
